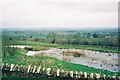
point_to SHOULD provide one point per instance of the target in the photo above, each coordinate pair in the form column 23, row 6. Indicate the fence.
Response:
column 50, row 73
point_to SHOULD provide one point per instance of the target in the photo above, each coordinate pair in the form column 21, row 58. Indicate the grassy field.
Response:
column 43, row 46
column 22, row 59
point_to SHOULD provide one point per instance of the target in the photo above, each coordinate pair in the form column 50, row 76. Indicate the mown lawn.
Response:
column 44, row 61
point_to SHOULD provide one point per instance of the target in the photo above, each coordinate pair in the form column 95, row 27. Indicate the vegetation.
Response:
column 104, row 41
column 90, row 38
column 46, row 62
column 44, row 46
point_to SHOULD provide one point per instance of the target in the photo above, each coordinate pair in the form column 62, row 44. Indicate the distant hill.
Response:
column 63, row 29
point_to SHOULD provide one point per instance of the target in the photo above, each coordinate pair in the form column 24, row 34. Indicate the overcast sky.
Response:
column 59, row 14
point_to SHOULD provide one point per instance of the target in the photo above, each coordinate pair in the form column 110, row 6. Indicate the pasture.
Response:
column 103, row 42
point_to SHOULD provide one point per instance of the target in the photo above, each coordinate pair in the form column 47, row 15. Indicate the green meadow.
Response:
column 44, row 40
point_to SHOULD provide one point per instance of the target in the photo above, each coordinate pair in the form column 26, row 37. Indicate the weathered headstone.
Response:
column 11, row 67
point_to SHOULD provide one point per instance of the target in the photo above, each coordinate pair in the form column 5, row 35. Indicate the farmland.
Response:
column 104, row 41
